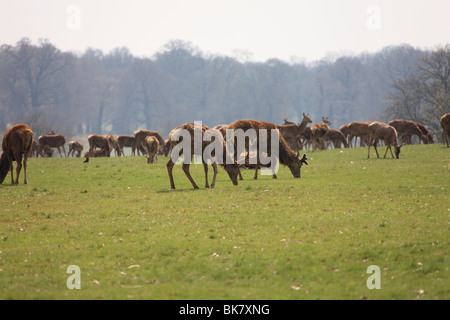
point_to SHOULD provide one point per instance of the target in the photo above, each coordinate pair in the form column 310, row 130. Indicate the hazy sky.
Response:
column 305, row 29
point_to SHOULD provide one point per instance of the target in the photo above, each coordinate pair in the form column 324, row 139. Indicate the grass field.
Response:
column 308, row 238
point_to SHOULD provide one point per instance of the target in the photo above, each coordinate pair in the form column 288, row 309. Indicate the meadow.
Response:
column 309, row 238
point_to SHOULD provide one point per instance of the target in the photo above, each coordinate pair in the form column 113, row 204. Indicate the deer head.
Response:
column 307, row 118
column 397, row 150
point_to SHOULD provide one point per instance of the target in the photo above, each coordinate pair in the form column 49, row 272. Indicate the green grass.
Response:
column 308, row 238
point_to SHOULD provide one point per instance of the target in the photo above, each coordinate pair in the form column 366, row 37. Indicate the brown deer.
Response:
column 231, row 169
column 358, row 129
column 75, row 146
column 53, row 141
column 426, row 133
column 445, row 124
column 407, row 128
column 34, row 152
column 344, row 130
column 16, row 144
column 98, row 141
column 151, row 145
column 114, row 143
column 95, row 153
column 141, row 134
column 127, row 141
column 292, row 132
column 382, row 131
column 336, row 137
column 285, row 155
column 318, row 131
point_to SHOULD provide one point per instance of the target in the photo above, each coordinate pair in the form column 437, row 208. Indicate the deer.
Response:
column 318, row 131
column 114, row 143
column 34, row 152
column 292, row 132
column 445, row 124
column 53, row 141
column 345, row 132
column 98, row 141
column 426, row 133
column 358, row 129
column 387, row 133
column 286, row 156
column 336, row 137
column 141, row 134
column 151, row 145
column 95, row 153
column 16, row 145
column 231, row 168
column 165, row 148
column 407, row 128
column 127, row 141
column 75, row 146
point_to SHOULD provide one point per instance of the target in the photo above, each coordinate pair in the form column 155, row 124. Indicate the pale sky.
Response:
column 305, row 29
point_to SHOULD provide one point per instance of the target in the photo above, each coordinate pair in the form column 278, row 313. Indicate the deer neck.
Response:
column 303, row 124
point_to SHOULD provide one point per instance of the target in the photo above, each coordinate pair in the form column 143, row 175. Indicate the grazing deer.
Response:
column 318, row 131
column 98, row 141
column 292, row 132
column 75, row 146
column 95, row 153
column 382, row 131
column 140, row 136
column 285, row 155
column 53, row 141
column 426, row 133
column 16, row 144
column 165, row 148
column 445, row 124
column 345, row 132
column 358, row 129
column 407, row 128
column 231, row 169
column 151, row 145
column 127, row 141
column 114, row 143
column 34, row 152
column 336, row 137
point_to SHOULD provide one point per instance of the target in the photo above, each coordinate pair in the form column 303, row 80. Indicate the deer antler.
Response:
column 303, row 159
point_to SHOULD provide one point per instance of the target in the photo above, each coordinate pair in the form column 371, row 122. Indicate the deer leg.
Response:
column 188, row 175
column 64, row 149
column 205, row 167
column 376, row 150
column 18, row 168
column 273, row 164
column 388, row 148
column 169, row 166
column 213, row 183
column 11, row 169
column 240, row 175
column 25, row 170
column 257, row 165
column 391, row 152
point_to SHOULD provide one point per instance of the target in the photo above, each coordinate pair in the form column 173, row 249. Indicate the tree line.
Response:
column 116, row 92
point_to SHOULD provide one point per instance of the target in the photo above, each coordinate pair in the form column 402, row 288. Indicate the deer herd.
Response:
column 18, row 144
